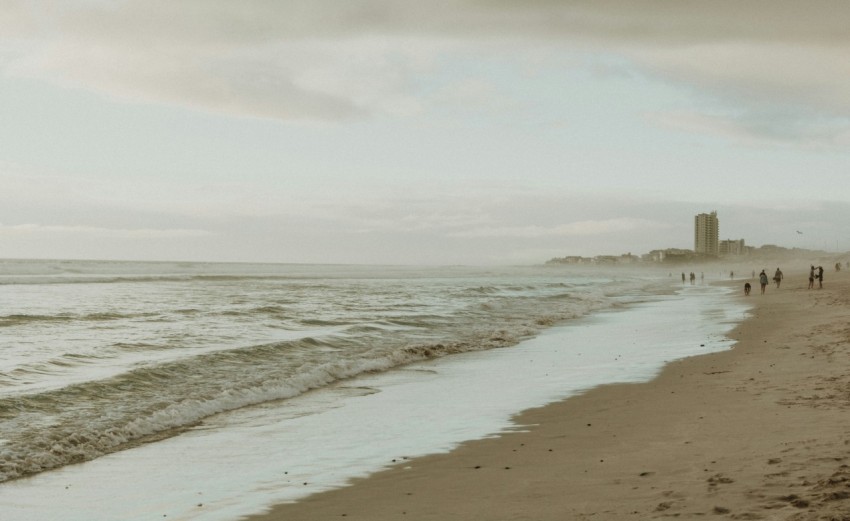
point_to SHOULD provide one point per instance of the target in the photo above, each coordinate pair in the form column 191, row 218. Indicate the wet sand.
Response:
column 756, row 432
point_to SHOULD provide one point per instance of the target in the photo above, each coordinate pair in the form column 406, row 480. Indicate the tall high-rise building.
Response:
column 706, row 233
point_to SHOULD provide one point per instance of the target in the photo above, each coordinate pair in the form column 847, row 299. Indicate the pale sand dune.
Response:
column 758, row 432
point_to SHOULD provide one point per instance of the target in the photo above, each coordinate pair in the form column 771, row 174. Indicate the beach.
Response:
column 753, row 432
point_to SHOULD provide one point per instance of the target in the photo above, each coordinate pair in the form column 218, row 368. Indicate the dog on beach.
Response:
column 747, row 288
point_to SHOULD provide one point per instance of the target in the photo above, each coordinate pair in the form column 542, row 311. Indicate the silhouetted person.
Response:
column 777, row 277
column 763, row 281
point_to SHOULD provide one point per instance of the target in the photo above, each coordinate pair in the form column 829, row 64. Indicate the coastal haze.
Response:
column 450, row 132
column 306, row 259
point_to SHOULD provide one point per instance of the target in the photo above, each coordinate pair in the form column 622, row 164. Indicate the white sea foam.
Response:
column 243, row 461
column 91, row 368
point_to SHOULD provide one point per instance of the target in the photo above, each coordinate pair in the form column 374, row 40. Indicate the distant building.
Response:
column 707, row 234
column 572, row 259
column 653, row 256
column 730, row 247
column 605, row 259
column 626, row 258
column 670, row 255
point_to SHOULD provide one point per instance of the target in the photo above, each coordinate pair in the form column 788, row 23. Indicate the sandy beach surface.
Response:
column 756, row 432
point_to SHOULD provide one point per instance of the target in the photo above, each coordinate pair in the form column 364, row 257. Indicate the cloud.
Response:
column 775, row 126
column 574, row 229
column 473, row 93
column 91, row 200
column 774, row 92
column 321, row 60
column 258, row 59
column 93, row 231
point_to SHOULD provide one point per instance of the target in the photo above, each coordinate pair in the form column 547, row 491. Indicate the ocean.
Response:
column 202, row 391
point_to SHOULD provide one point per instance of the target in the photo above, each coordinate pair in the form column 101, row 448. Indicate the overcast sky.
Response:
column 438, row 132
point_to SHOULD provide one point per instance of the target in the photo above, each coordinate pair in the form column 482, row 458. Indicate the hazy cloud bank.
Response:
column 328, row 60
column 31, row 229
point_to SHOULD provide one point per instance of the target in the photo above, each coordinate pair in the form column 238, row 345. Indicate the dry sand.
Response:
column 756, row 432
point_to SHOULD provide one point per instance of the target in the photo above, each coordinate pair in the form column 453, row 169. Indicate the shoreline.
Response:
column 748, row 433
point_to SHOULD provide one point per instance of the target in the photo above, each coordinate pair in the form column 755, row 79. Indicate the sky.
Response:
column 408, row 132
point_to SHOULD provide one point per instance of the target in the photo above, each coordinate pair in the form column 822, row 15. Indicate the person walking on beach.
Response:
column 683, row 276
column 777, row 277
column 820, row 277
column 763, row 281
column 812, row 277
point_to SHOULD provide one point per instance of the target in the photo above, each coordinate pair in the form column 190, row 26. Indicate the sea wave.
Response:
column 92, row 419
column 23, row 319
column 154, row 366
column 87, row 420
